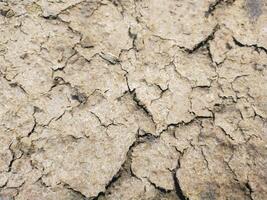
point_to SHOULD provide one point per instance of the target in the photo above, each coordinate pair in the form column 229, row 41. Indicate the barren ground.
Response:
column 133, row 99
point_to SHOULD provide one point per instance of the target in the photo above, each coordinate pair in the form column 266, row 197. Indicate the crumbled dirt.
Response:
column 133, row 99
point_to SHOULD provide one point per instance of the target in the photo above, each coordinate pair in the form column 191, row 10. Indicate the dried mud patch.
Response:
column 129, row 100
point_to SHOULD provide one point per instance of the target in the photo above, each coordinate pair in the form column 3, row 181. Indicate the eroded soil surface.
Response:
column 133, row 99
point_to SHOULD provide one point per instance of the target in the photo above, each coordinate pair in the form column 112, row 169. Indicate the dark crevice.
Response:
column 80, row 97
column 178, row 189
column 18, row 85
column 55, row 16
column 212, row 7
column 225, row 133
column 114, row 178
column 255, row 46
column 4, row 185
column 204, row 157
column 78, row 193
column 35, row 109
column 128, row 162
column 205, row 41
column 125, row 168
column 76, row 95
column 7, row 12
column 210, row 55
column 50, row 17
column 101, row 194
column 182, row 123
column 147, row 137
column 215, row 5
column 13, row 158
column 13, row 84
column 247, row 185
column 141, row 105
column 160, row 189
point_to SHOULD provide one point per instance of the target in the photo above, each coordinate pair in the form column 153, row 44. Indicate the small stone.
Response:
column 87, row 43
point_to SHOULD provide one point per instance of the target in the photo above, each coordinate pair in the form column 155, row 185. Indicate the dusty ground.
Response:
column 133, row 99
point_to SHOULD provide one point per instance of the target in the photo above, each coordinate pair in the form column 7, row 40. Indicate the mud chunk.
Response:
column 157, row 161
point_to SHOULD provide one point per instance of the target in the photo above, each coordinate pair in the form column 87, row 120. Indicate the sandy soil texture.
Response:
column 133, row 99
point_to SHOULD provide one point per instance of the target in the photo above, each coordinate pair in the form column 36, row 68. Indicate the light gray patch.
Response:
column 254, row 8
column 4, row 197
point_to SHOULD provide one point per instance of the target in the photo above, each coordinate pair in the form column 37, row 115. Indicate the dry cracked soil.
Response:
column 133, row 99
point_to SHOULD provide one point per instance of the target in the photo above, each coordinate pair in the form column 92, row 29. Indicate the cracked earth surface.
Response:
column 133, row 99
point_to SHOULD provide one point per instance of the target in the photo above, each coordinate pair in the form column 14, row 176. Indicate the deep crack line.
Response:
column 255, row 46
column 178, row 189
column 177, row 186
